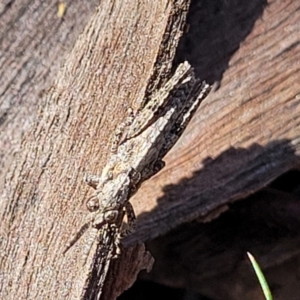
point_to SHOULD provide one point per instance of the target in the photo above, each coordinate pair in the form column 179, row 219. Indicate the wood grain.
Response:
column 106, row 72
column 244, row 136
column 246, row 133
column 34, row 42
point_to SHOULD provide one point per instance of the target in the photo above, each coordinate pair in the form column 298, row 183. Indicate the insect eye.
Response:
column 111, row 216
column 92, row 204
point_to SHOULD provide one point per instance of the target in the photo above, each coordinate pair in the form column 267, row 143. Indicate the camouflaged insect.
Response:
column 139, row 145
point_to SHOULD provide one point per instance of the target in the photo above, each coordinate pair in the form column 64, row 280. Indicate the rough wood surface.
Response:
column 108, row 70
column 245, row 134
column 265, row 224
column 34, row 41
column 257, row 102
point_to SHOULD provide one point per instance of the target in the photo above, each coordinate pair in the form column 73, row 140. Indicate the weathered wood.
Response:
column 260, row 105
column 108, row 70
column 246, row 133
column 210, row 259
column 34, row 42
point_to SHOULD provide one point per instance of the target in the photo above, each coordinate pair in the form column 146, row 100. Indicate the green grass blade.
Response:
column 261, row 278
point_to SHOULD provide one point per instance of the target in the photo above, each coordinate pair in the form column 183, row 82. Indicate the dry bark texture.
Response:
column 106, row 72
column 245, row 135
column 34, row 42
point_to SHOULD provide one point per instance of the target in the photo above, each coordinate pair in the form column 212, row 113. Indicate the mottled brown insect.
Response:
column 138, row 148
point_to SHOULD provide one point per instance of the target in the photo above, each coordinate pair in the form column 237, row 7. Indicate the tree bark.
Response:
column 108, row 70
column 244, row 135
column 210, row 259
column 34, row 43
